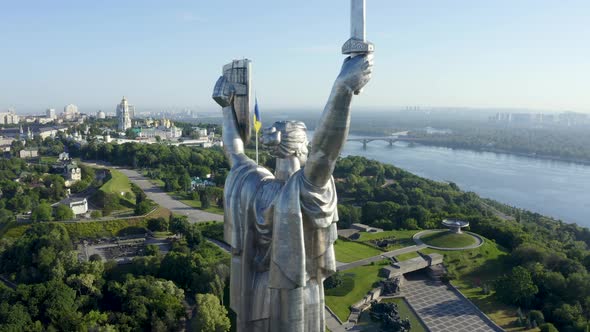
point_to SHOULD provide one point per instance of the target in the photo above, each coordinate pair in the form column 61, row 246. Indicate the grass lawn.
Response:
column 403, row 237
column 404, row 311
column 446, row 239
column 117, row 184
column 473, row 268
column 406, row 256
column 349, row 251
column 356, row 284
column 47, row 159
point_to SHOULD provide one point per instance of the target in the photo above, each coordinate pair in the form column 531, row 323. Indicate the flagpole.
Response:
column 256, row 121
column 256, row 147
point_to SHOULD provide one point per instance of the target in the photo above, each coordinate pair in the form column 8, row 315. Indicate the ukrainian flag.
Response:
column 257, row 119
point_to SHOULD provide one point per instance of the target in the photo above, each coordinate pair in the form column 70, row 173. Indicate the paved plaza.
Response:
column 441, row 308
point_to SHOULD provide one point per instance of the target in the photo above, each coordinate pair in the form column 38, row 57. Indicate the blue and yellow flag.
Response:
column 257, row 119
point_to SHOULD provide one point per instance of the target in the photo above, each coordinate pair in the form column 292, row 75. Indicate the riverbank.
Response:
column 505, row 151
column 549, row 187
column 429, row 142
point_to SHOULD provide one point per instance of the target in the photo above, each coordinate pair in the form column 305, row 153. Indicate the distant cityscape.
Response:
column 565, row 118
column 128, row 128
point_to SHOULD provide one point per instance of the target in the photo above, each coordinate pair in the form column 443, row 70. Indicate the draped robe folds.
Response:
column 282, row 235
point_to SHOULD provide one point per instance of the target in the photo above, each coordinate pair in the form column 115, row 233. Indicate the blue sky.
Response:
column 495, row 53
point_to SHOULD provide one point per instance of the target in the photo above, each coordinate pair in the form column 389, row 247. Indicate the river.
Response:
column 553, row 188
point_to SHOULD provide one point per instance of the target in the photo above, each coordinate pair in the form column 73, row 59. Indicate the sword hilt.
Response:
column 357, row 44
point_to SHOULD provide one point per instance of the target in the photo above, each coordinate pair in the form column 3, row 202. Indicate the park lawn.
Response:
column 404, row 237
column 48, row 159
column 110, row 228
column 471, row 269
column 404, row 311
column 119, row 183
column 357, row 282
column 406, row 256
column 349, row 251
column 446, row 239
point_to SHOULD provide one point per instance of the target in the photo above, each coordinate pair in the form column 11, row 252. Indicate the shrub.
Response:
column 63, row 212
column 536, row 316
column 388, row 315
column 333, row 281
column 158, row 224
column 548, row 327
column 152, row 250
column 142, row 208
column 95, row 257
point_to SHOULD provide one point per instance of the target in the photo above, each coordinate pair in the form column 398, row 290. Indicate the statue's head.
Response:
column 287, row 139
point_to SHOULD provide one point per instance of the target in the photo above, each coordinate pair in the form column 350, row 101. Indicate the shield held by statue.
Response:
column 238, row 73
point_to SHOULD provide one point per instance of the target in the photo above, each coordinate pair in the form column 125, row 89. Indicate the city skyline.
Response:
column 524, row 55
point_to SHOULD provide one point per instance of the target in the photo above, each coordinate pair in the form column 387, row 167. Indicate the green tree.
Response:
column 537, row 316
column 185, row 181
column 148, row 304
column 42, row 213
column 63, row 212
column 17, row 318
column 193, row 236
column 6, row 216
column 205, row 199
column 179, row 225
column 140, row 196
column 211, row 316
column 142, row 208
column 60, row 306
column 517, row 287
column 333, row 281
column 152, row 250
column 410, row 223
column 567, row 314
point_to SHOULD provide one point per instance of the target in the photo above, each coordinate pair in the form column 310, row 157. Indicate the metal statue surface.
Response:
column 282, row 226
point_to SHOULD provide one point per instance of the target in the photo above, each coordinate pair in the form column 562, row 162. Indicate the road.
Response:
column 156, row 194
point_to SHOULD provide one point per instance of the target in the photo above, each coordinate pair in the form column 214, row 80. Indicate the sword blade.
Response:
column 357, row 19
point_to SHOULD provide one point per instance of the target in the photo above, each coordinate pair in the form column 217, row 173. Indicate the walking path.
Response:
column 7, row 282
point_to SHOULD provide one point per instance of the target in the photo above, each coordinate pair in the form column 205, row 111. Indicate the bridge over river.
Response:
column 399, row 136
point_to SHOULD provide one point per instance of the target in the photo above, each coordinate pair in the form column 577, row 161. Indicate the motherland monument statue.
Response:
column 282, row 226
